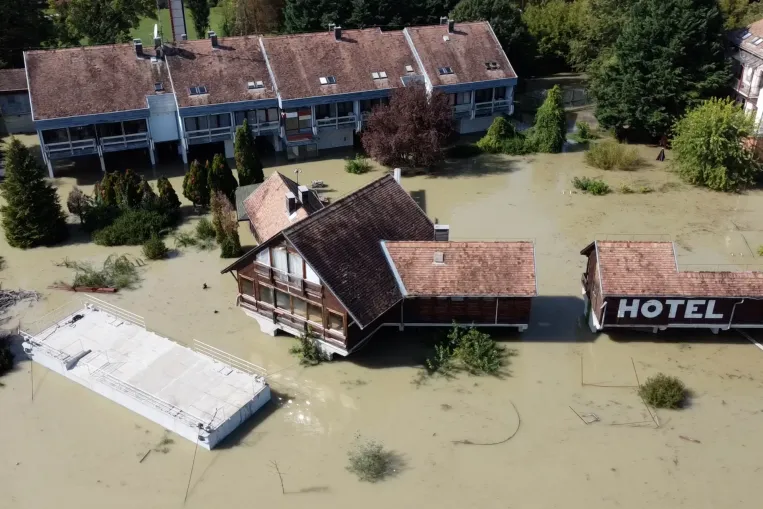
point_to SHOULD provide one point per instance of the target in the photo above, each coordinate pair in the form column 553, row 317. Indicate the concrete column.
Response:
column 356, row 112
column 313, row 120
column 229, row 152
column 103, row 163
column 183, row 150
column 755, row 85
column 49, row 164
column 472, row 104
column 151, row 153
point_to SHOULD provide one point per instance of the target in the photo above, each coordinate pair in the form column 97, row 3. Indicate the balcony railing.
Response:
column 264, row 127
column 137, row 140
column 335, row 122
column 745, row 88
column 462, row 110
column 490, row 107
column 73, row 148
column 209, row 135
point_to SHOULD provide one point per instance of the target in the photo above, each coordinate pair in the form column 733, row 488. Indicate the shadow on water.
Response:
column 683, row 336
column 477, row 166
column 245, row 435
column 420, row 197
column 558, row 319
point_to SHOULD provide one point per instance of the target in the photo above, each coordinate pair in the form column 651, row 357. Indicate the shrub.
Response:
column 503, row 138
column 168, row 198
column 78, row 202
column 6, row 356
column 610, row 155
column 230, row 247
column 663, row 391
column 760, row 250
column 626, row 189
column 132, row 227
column 593, row 186
column 584, row 131
column 550, row 128
column 467, row 349
column 463, row 151
column 155, row 249
column 370, row 461
column 98, row 215
column 204, row 229
column 116, row 272
column 221, row 177
column 308, row 350
column 184, row 239
column 442, row 361
column 225, row 226
column 357, row 166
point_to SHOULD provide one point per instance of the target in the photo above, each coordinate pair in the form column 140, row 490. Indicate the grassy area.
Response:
column 145, row 30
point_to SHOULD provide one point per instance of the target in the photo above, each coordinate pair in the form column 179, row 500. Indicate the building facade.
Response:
column 15, row 110
column 298, row 93
column 747, row 67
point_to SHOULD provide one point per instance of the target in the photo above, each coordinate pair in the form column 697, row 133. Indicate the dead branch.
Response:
column 580, row 417
column 519, row 423
column 280, row 477
column 9, row 298
column 694, row 440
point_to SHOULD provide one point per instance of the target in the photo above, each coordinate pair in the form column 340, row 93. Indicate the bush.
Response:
column 184, row 239
column 593, row 186
column 308, row 350
column 196, row 184
column 662, row 391
column 78, row 202
column 98, row 215
column 204, row 229
column 370, row 462
column 473, row 350
column 550, row 128
column 6, row 356
column 155, row 249
column 133, row 227
column 610, row 155
column 357, row 166
column 117, row 272
column 230, row 247
column 463, row 151
column 760, row 250
column 503, row 138
column 584, row 131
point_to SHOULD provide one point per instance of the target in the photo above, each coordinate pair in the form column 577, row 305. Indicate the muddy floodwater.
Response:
column 70, row 447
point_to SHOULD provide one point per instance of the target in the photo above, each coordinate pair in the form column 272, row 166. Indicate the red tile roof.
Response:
column 505, row 269
column 266, row 206
column 649, row 269
column 225, row 71
column 91, row 80
column 466, row 51
column 299, row 61
column 13, row 80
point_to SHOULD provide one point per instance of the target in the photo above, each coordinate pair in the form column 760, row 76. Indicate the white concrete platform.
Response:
column 199, row 394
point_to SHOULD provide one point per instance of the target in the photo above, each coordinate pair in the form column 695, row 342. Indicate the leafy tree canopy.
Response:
column 99, row 21
column 710, row 149
column 200, row 11
column 549, row 132
column 554, row 24
column 25, row 26
column 668, row 57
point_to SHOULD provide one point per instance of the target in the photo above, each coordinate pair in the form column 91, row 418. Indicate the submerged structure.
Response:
column 639, row 285
column 374, row 258
column 202, row 394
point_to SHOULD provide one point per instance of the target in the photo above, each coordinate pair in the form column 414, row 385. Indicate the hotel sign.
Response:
column 672, row 310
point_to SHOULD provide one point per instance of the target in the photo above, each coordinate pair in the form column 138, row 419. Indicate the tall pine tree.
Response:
column 196, row 185
column 248, row 165
column 200, row 11
column 32, row 215
column 668, row 57
column 221, row 177
column 550, row 129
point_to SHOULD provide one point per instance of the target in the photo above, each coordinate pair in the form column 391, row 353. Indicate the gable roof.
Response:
column 342, row 243
column 225, row 71
column 466, row 51
column 299, row 61
column 502, row 269
column 13, row 80
column 242, row 193
column 266, row 206
column 630, row 268
column 91, row 80
column 746, row 42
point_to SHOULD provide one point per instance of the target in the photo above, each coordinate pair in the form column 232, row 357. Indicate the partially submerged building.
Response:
column 299, row 93
column 373, row 258
column 639, row 285
column 15, row 110
column 747, row 67
column 202, row 394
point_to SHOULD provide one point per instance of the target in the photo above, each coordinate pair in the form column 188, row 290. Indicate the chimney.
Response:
column 213, row 38
column 291, row 203
column 138, row 47
column 396, row 174
column 183, row 37
column 451, row 26
column 304, row 194
column 441, row 232
column 157, row 42
column 338, row 33
column 443, row 20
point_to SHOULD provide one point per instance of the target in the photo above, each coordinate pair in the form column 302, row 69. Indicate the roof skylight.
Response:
column 327, row 80
column 445, row 70
column 200, row 90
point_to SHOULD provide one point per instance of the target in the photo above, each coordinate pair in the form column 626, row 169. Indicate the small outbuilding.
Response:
column 15, row 109
column 639, row 285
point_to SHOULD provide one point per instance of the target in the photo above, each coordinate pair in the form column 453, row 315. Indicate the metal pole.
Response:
column 190, row 475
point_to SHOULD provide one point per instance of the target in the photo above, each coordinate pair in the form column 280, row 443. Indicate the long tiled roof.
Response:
column 465, row 51
column 92, row 80
column 225, row 71
column 266, row 206
column 504, row 269
column 299, row 61
column 649, row 269
column 13, row 80
column 342, row 243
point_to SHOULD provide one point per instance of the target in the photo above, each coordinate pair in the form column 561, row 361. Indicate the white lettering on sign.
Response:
column 693, row 309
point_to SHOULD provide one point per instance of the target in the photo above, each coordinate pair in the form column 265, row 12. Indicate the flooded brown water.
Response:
column 72, row 448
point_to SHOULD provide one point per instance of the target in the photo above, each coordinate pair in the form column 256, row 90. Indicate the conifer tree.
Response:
column 248, row 164
column 168, row 198
column 196, row 184
column 32, row 215
column 221, row 177
column 550, row 129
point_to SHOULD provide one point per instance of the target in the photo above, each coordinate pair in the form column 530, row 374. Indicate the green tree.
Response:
column 226, row 226
column 32, row 214
column 200, row 11
column 168, row 198
column 99, row 21
column 314, row 15
column 221, row 177
column 248, row 164
column 25, row 26
column 601, row 21
column 554, row 24
column 711, row 148
column 668, row 57
column 508, row 25
column 128, row 189
column 740, row 13
column 196, row 185
column 148, row 198
column 550, row 129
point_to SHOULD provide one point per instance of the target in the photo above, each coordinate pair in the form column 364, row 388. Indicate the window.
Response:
column 327, row 80
column 196, row 123
column 82, row 132
column 280, row 262
column 381, row 75
column 134, row 126
column 746, row 35
column 323, row 111
column 200, row 90
column 344, row 108
column 311, row 276
column 445, row 70
column 295, row 265
column 266, row 294
column 457, row 299
column 247, row 286
column 305, row 122
column 315, row 313
column 110, row 129
column 254, row 85
column 55, row 136
column 300, row 307
column 221, row 120
column 460, row 98
column 263, row 257
column 283, row 301
column 483, row 96
column 499, row 93
column 491, row 66
column 158, row 87
column 335, row 321
column 292, row 124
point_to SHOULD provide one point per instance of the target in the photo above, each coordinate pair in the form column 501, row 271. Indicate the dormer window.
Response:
column 201, row 90
column 409, row 68
column 445, row 70
column 381, row 75
column 491, row 66
column 158, row 87
column 254, row 85
column 327, row 80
